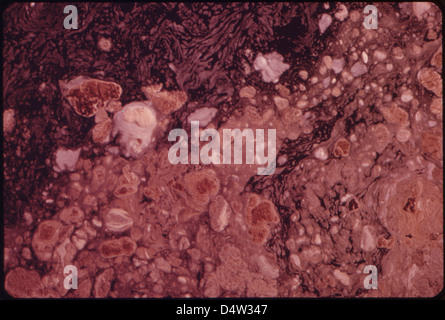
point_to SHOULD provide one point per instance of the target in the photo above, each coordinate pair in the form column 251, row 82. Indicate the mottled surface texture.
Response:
column 359, row 143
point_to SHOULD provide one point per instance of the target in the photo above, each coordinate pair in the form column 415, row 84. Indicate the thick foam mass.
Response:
column 134, row 125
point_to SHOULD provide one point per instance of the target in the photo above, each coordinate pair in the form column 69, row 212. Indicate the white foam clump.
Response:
column 419, row 8
column 324, row 22
column 267, row 268
column 203, row 115
column 271, row 66
column 66, row 159
column 135, row 125
column 321, row 153
column 342, row 12
column 358, row 69
column 367, row 242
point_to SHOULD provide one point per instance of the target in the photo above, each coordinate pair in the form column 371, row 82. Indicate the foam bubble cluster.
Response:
column 134, row 125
